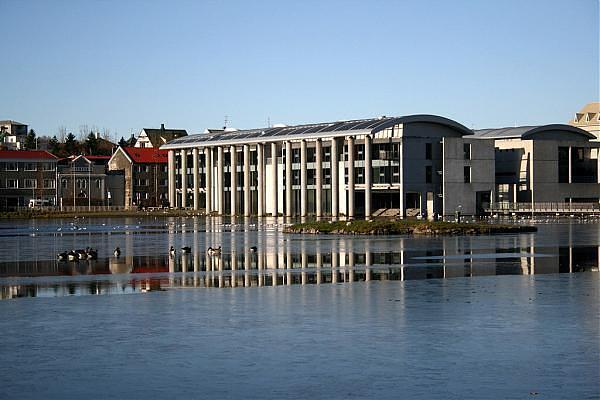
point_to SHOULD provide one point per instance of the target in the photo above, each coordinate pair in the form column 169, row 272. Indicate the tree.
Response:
column 91, row 143
column 54, row 145
column 62, row 133
column 122, row 142
column 132, row 140
column 30, row 143
column 71, row 144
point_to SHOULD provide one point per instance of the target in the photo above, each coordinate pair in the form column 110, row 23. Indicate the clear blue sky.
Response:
column 125, row 65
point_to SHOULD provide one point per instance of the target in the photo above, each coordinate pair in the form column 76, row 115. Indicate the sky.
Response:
column 126, row 65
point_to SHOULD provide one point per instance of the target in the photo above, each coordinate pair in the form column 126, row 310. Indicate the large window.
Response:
column 30, row 167
column 30, row 183
column 428, row 174
column 428, row 151
column 467, row 151
column 467, row 174
column 12, row 183
column 563, row 165
column 11, row 166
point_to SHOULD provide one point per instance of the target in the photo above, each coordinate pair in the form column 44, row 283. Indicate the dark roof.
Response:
column 146, row 155
column 527, row 132
column 26, row 155
column 339, row 128
column 11, row 122
column 158, row 137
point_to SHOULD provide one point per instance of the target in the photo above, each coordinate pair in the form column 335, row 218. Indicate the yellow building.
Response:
column 588, row 119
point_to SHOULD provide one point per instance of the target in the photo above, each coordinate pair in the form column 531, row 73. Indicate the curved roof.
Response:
column 527, row 132
column 323, row 129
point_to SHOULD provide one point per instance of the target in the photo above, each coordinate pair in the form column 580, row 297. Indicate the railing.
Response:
column 543, row 207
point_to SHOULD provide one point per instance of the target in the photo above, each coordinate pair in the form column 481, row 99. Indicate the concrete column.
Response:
column 220, row 191
column 208, row 167
column 183, row 178
column 288, row 179
column 233, row 157
column 319, row 176
column 367, row 175
column 196, row 180
column 247, row 203
column 275, row 186
column 334, row 179
column 350, row 142
column 171, row 167
column 303, row 183
column 260, row 155
column 570, row 165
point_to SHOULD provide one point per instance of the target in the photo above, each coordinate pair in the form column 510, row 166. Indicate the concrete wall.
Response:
column 119, row 162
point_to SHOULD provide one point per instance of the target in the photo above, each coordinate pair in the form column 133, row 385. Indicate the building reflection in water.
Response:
column 301, row 262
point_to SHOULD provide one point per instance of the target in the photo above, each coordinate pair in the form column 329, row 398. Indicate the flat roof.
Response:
column 526, row 132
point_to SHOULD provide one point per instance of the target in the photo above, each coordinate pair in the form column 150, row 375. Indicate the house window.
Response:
column 98, row 183
column 164, row 182
column 49, row 183
column 467, row 174
column 467, row 151
column 63, row 183
column 48, row 167
column 30, row 183
column 428, row 174
column 12, row 183
column 30, row 167
column 428, row 151
column 81, row 183
column 11, row 166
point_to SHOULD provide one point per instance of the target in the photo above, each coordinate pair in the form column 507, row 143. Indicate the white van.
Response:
column 35, row 203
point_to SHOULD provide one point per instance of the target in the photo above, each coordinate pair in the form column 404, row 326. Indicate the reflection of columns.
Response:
column 220, row 191
column 233, row 157
column 318, row 176
column 368, row 262
column 367, row 175
column 319, row 264
column 275, row 184
column 171, row 166
column 333, row 169
column 351, row 265
column 303, row 185
column 260, row 267
column 196, row 180
column 288, row 263
column 183, row 178
column 247, row 203
column 208, row 178
column 303, row 262
column 288, row 179
column 350, row 212
column 260, row 154
column 334, row 264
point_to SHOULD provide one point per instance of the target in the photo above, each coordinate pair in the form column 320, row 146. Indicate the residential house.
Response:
column 12, row 135
column 157, row 137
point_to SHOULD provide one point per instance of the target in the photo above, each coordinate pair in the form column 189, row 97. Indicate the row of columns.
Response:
column 260, row 169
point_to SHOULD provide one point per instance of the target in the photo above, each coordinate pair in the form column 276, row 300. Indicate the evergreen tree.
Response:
column 91, row 144
column 71, row 144
column 30, row 140
column 54, row 145
column 123, row 142
column 132, row 141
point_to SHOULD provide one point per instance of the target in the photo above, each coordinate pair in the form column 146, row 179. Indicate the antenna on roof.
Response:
column 226, row 121
column 268, row 122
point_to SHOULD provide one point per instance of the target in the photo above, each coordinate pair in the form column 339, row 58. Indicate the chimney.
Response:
column 97, row 135
column 162, row 127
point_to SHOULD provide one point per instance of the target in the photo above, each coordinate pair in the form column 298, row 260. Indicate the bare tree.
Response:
column 84, row 131
column 62, row 133
column 106, row 134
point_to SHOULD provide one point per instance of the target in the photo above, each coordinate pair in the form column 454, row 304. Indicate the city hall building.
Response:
column 418, row 165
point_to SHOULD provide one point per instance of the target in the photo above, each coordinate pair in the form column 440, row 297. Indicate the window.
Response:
column 141, row 182
column 12, row 183
column 48, row 167
column 563, row 165
column 49, row 183
column 64, row 183
column 30, row 167
column 428, row 151
column 428, row 174
column 165, row 182
column 467, row 173
column 11, row 166
column 467, row 151
column 30, row 183
column 98, row 183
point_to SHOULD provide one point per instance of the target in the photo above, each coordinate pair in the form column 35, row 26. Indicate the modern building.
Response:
column 12, row 134
column 157, row 137
column 418, row 165
column 588, row 119
column 84, row 181
column 27, row 175
column 145, row 174
column 541, row 164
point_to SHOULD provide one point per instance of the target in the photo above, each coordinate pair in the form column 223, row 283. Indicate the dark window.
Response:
column 563, row 165
column 428, row 174
column 428, row 151
column 467, row 172
column 467, row 151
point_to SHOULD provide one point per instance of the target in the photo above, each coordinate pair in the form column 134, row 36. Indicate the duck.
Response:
column 172, row 251
column 186, row 249
column 72, row 256
column 214, row 251
column 92, row 254
column 117, row 252
column 253, row 249
column 81, row 254
column 62, row 256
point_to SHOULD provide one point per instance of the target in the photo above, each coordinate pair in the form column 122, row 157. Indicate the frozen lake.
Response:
column 302, row 317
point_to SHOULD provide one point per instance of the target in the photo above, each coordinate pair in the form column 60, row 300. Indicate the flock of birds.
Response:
column 91, row 254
